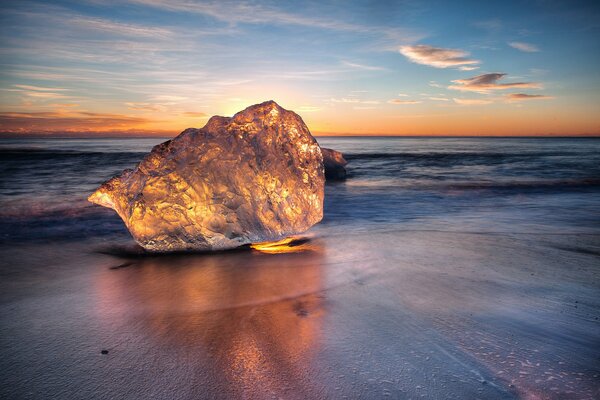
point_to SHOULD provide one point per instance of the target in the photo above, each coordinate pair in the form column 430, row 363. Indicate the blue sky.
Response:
column 373, row 67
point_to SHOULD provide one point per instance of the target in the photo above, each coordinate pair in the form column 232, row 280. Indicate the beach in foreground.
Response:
column 444, row 268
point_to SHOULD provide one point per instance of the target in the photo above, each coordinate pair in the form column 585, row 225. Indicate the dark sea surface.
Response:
column 484, row 184
column 443, row 268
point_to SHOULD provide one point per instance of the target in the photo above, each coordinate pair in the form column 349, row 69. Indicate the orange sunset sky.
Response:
column 152, row 67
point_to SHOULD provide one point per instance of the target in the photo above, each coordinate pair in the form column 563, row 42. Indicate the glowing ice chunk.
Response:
column 238, row 180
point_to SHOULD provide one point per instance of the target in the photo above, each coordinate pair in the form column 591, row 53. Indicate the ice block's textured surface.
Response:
column 257, row 176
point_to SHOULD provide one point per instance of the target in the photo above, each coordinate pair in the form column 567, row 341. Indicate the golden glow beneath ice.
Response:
column 291, row 244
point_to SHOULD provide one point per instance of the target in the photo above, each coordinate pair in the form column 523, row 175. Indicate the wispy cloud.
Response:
column 236, row 13
column 437, row 57
column 400, row 101
column 56, row 15
column 353, row 100
column 344, row 100
column 40, row 88
column 45, row 95
column 39, row 92
column 363, row 66
column 525, row 96
column 325, row 74
column 487, row 82
column 526, row 47
column 169, row 98
column 64, row 105
column 118, row 28
column 471, row 102
column 249, row 13
column 232, row 82
column 146, row 107
column 438, row 99
column 195, row 114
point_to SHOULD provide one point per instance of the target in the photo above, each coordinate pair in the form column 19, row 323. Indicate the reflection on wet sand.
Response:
column 250, row 321
column 482, row 316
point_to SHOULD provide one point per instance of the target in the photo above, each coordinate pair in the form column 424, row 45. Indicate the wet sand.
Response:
column 381, row 314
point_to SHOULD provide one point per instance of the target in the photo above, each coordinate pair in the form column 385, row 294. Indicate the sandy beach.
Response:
column 365, row 316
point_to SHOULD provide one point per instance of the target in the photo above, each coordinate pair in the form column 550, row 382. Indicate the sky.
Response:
column 156, row 67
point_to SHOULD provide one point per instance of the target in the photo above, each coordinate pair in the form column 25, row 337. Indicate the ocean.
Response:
column 475, row 184
column 443, row 268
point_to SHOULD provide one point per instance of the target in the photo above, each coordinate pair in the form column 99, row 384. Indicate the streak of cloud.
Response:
column 145, row 107
column 525, row 47
column 195, row 114
column 400, row 101
column 67, row 121
column 363, row 66
column 525, row 96
column 113, row 27
column 437, row 57
column 46, row 95
column 254, row 13
column 471, row 102
column 353, row 100
column 486, row 82
column 40, row 88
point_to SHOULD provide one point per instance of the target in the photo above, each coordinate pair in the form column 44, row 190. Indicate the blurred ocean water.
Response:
column 481, row 184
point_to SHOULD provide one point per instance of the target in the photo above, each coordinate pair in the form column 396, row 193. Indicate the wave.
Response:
column 450, row 185
column 28, row 153
column 532, row 184
column 454, row 155
column 32, row 153
column 40, row 222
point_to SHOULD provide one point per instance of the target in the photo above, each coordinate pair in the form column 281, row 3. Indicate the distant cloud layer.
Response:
column 472, row 102
column 399, row 101
column 485, row 82
column 438, row 57
column 526, row 47
column 65, row 121
column 525, row 96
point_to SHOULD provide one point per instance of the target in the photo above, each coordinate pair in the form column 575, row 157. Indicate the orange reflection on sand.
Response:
column 251, row 319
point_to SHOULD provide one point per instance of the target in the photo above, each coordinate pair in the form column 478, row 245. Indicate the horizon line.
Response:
column 166, row 135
